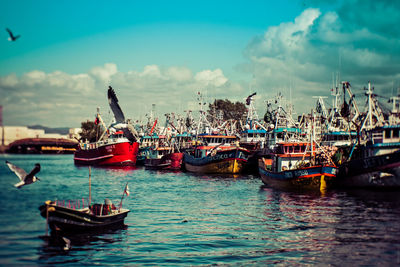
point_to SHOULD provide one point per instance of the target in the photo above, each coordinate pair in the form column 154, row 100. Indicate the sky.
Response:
column 165, row 52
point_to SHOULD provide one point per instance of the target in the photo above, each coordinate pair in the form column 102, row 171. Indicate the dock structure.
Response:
column 43, row 146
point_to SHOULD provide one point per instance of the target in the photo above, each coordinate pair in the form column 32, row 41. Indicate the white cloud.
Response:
column 10, row 80
column 62, row 99
column 33, row 77
column 104, row 73
column 179, row 74
column 151, row 71
column 209, row 77
column 304, row 54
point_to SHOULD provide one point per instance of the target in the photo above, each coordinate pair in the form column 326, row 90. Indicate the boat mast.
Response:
column 98, row 116
column 373, row 111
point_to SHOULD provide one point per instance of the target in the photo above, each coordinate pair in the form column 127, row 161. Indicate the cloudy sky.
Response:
column 164, row 52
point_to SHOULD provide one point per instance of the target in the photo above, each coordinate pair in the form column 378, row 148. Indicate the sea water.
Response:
column 182, row 219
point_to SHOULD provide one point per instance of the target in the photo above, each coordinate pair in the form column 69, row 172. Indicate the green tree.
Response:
column 229, row 109
column 90, row 131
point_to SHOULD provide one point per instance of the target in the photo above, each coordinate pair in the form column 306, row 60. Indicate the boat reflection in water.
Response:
column 59, row 244
column 340, row 227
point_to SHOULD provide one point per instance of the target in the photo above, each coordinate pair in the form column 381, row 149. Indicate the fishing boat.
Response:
column 373, row 160
column 115, row 150
column 83, row 216
column 365, row 169
column 70, row 217
column 159, row 154
column 116, row 146
column 216, row 154
column 253, row 136
column 291, row 166
column 162, row 159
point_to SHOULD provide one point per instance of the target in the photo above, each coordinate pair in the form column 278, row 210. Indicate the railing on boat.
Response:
column 81, row 204
column 75, row 204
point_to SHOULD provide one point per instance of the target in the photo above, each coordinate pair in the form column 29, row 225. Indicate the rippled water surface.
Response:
column 179, row 218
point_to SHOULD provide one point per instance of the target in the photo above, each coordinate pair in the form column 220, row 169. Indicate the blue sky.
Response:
column 163, row 52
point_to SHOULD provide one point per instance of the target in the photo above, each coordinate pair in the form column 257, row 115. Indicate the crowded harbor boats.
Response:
column 340, row 146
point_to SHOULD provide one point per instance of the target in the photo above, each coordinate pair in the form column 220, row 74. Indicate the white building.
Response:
column 9, row 134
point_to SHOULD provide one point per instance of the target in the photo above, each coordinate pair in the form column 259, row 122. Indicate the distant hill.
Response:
column 61, row 130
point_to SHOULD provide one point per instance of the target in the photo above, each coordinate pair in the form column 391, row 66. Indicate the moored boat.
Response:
column 116, row 146
column 216, row 154
column 115, row 150
column 70, row 218
column 361, row 170
column 162, row 158
column 292, row 167
column 83, row 216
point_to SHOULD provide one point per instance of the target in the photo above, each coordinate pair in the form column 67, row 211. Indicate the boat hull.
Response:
column 381, row 171
column 223, row 162
column 315, row 178
column 124, row 153
column 70, row 220
column 172, row 161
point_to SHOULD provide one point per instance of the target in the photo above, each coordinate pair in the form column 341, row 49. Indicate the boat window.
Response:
column 250, row 135
column 396, row 133
column 387, row 133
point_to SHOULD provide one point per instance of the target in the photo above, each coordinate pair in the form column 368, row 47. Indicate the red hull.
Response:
column 171, row 161
column 124, row 153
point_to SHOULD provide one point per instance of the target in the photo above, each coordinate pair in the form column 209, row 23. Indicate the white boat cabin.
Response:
column 384, row 140
column 254, row 136
column 340, row 138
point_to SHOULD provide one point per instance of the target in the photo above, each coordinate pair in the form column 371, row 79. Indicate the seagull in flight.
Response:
column 26, row 178
column 12, row 37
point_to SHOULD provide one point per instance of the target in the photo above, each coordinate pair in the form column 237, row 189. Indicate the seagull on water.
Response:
column 26, row 178
column 12, row 36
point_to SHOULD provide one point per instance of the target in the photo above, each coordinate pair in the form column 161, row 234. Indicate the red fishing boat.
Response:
column 116, row 150
column 117, row 146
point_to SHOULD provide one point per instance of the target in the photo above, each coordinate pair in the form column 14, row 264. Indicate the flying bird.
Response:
column 116, row 109
column 23, row 176
column 12, row 36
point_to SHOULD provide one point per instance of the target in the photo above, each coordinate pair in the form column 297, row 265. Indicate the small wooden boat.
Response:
column 291, row 167
column 72, row 219
column 82, row 216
